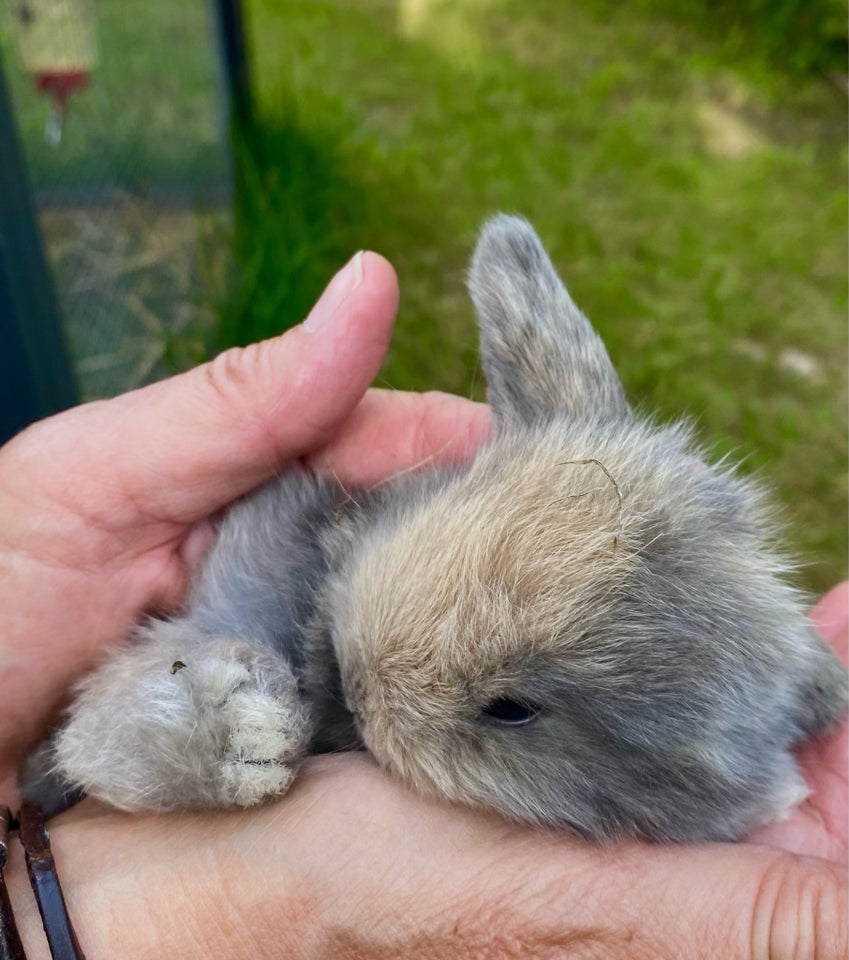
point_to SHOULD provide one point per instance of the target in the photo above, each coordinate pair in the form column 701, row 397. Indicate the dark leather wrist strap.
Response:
column 11, row 947
column 45, row 884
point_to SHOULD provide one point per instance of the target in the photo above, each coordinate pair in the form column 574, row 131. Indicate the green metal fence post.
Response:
column 233, row 45
column 35, row 373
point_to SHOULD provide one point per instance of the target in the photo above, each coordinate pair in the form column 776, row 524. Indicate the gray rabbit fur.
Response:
column 584, row 627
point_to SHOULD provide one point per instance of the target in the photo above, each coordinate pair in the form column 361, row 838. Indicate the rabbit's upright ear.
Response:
column 540, row 354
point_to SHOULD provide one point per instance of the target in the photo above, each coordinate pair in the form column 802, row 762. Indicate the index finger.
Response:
column 390, row 432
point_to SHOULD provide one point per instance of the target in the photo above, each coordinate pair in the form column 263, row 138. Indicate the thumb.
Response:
column 179, row 449
column 831, row 615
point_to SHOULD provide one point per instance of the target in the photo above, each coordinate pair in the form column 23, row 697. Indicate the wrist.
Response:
column 120, row 901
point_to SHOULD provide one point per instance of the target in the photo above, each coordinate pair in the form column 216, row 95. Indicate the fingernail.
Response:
column 336, row 293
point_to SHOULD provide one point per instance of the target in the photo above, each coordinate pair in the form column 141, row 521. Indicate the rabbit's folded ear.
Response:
column 540, row 354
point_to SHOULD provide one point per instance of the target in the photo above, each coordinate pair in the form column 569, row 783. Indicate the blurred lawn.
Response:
column 695, row 203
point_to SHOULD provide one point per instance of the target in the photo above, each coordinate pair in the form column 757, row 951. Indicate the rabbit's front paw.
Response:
column 261, row 732
column 197, row 723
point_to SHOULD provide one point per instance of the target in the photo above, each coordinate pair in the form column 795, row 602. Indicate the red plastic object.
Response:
column 60, row 84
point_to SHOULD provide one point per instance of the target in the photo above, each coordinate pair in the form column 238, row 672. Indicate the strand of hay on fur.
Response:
column 610, row 477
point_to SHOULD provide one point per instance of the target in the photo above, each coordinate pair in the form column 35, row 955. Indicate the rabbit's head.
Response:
column 586, row 626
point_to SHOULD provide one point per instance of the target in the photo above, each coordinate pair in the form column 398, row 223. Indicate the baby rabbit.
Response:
column 585, row 627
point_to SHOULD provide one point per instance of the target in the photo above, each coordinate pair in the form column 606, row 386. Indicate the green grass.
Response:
column 696, row 207
column 801, row 38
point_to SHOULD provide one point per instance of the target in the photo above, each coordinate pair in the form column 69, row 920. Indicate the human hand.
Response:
column 104, row 509
column 818, row 826
column 350, row 863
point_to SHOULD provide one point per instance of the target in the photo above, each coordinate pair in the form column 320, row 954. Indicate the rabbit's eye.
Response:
column 511, row 713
